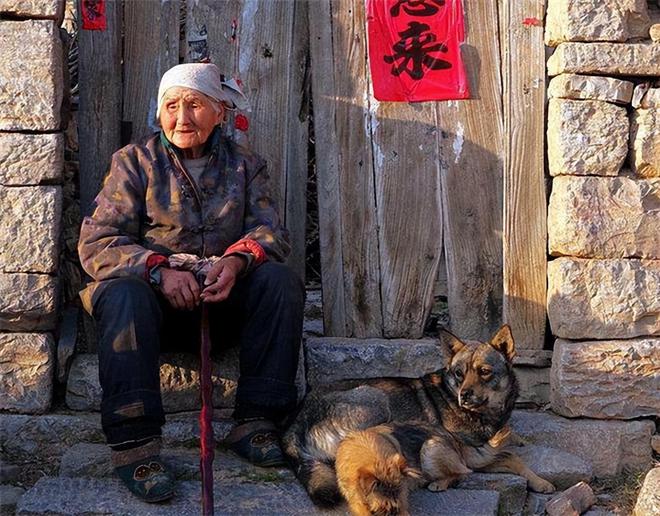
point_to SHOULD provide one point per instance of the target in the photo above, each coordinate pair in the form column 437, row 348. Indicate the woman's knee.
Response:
column 279, row 278
column 120, row 294
column 128, row 319
column 127, row 306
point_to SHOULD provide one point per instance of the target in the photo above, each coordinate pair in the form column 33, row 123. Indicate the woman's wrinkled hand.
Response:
column 221, row 279
column 180, row 288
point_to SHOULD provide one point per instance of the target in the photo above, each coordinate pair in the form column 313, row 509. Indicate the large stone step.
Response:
column 327, row 359
column 561, row 468
column 47, row 437
column 71, row 496
column 625, row 443
column 93, row 460
column 332, row 359
column 179, row 381
column 179, row 373
column 611, row 447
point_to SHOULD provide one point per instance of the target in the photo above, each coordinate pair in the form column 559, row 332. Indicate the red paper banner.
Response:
column 414, row 50
column 93, row 14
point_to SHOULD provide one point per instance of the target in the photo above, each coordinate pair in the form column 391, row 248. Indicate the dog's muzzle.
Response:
column 469, row 401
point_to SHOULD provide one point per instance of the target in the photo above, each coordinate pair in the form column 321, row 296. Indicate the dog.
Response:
column 372, row 474
column 460, row 412
column 377, row 467
column 373, row 466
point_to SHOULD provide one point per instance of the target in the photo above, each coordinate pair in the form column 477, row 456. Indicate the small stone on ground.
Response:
column 577, row 499
column 9, row 497
column 512, row 489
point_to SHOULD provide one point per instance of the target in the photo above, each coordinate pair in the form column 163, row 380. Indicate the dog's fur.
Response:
column 448, row 422
column 372, row 473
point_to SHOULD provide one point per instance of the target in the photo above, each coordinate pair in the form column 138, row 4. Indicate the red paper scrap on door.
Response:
column 414, row 50
column 93, row 14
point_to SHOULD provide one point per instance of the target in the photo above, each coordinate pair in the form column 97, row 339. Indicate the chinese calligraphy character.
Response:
column 198, row 49
column 417, row 7
column 93, row 9
column 414, row 49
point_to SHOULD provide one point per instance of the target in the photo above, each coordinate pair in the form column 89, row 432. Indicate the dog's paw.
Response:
column 517, row 440
column 437, row 486
column 542, row 486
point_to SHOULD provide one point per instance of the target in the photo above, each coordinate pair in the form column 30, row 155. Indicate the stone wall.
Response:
column 604, row 213
column 31, row 164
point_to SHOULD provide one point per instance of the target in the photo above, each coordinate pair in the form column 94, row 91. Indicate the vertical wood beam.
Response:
column 525, row 206
column 100, row 101
column 296, row 142
column 345, row 169
column 409, row 208
column 472, row 151
column 151, row 47
column 264, row 44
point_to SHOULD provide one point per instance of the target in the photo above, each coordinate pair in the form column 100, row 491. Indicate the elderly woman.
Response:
column 188, row 190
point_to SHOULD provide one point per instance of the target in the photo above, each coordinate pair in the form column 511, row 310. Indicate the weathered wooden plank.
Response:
column 472, row 150
column 212, row 31
column 263, row 44
column 100, row 102
column 327, row 169
column 408, row 200
column 151, row 47
column 295, row 145
column 524, row 253
column 347, row 212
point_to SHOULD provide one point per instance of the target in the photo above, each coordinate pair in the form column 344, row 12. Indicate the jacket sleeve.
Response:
column 109, row 245
column 262, row 223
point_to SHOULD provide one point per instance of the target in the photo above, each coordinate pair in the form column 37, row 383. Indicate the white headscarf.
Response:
column 206, row 78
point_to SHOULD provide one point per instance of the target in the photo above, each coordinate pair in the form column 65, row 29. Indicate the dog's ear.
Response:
column 399, row 460
column 502, row 341
column 452, row 341
column 366, row 479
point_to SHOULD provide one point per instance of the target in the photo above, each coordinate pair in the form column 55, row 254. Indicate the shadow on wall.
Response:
column 396, row 183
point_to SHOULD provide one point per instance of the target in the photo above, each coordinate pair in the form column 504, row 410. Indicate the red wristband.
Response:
column 247, row 245
column 155, row 260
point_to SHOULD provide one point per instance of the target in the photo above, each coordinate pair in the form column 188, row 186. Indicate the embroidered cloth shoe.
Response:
column 258, row 442
column 143, row 472
column 148, row 479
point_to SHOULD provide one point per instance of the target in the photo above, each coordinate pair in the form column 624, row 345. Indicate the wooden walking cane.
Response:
column 207, row 444
column 200, row 267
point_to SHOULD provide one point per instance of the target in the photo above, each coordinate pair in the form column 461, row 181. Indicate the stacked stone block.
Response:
column 31, row 163
column 604, row 213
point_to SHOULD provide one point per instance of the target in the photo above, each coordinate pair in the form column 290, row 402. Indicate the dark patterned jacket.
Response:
column 149, row 206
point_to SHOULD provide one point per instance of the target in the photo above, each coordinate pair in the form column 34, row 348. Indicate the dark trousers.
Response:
column 263, row 314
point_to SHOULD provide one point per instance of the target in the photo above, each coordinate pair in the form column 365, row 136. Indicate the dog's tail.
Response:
column 314, row 471
column 320, row 481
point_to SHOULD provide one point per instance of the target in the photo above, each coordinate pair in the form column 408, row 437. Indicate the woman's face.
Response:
column 188, row 118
